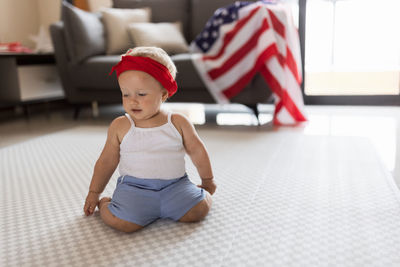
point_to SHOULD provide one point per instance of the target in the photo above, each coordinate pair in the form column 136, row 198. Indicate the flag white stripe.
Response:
column 277, row 71
column 246, row 63
column 284, row 116
column 238, row 41
column 237, row 70
column 286, row 80
column 284, row 14
column 214, row 90
column 293, row 42
column 292, row 87
column 280, row 41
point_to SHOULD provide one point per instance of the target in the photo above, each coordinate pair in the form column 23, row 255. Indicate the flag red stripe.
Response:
column 278, row 108
column 283, row 95
column 277, row 122
column 281, row 59
column 240, row 53
column 272, row 82
column 291, row 107
column 238, row 86
column 291, row 63
column 229, row 36
column 276, row 24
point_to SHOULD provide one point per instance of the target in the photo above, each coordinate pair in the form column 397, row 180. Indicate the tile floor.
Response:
column 379, row 124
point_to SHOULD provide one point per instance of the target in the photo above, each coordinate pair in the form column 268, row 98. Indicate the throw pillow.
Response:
column 167, row 36
column 116, row 21
column 84, row 33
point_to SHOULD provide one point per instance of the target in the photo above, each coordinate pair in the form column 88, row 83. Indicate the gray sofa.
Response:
column 87, row 81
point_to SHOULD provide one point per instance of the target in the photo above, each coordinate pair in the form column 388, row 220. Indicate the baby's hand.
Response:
column 209, row 185
column 91, row 202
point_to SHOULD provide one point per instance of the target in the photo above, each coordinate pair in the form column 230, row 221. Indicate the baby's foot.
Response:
column 103, row 200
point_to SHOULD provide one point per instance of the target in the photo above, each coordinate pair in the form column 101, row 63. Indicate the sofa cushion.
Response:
column 165, row 35
column 162, row 11
column 116, row 21
column 84, row 33
column 187, row 76
column 93, row 73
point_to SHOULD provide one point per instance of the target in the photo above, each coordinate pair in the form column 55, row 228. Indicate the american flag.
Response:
column 246, row 38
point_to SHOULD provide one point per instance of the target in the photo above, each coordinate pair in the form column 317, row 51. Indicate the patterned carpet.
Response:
column 283, row 199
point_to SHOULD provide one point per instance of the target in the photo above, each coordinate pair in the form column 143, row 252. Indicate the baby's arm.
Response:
column 197, row 151
column 104, row 168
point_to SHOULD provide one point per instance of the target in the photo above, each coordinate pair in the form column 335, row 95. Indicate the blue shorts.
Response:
column 142, row 201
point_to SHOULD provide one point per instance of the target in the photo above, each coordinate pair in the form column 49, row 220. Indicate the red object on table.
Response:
column 14, row 47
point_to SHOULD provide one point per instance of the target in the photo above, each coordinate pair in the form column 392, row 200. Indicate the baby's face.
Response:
column 142, row 95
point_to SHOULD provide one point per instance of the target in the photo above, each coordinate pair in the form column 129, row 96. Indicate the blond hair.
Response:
column 155, row 53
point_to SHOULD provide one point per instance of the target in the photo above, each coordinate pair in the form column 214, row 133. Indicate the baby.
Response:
column 149, row 145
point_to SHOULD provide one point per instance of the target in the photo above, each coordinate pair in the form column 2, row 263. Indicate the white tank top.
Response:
column 152, row 153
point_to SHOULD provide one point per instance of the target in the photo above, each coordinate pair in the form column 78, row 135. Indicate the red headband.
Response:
column 157, row 70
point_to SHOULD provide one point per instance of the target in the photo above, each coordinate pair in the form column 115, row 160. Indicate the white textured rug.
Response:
column 284, row 199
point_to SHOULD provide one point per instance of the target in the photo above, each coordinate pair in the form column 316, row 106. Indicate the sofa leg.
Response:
column 95, row 109
column 77, row 111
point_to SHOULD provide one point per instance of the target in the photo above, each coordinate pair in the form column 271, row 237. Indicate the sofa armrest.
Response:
column 61, row 56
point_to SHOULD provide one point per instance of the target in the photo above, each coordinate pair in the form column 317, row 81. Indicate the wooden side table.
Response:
column 27, row 79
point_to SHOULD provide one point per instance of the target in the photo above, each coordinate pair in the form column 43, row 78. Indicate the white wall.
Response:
column 96, row 5
column 21, row 18
column 49, row 11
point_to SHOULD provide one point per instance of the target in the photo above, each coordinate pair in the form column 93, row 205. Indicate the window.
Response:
column 352, row 47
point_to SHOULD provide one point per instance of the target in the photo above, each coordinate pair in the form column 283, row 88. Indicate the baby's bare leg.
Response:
column 198, row 212
column 113, row 221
